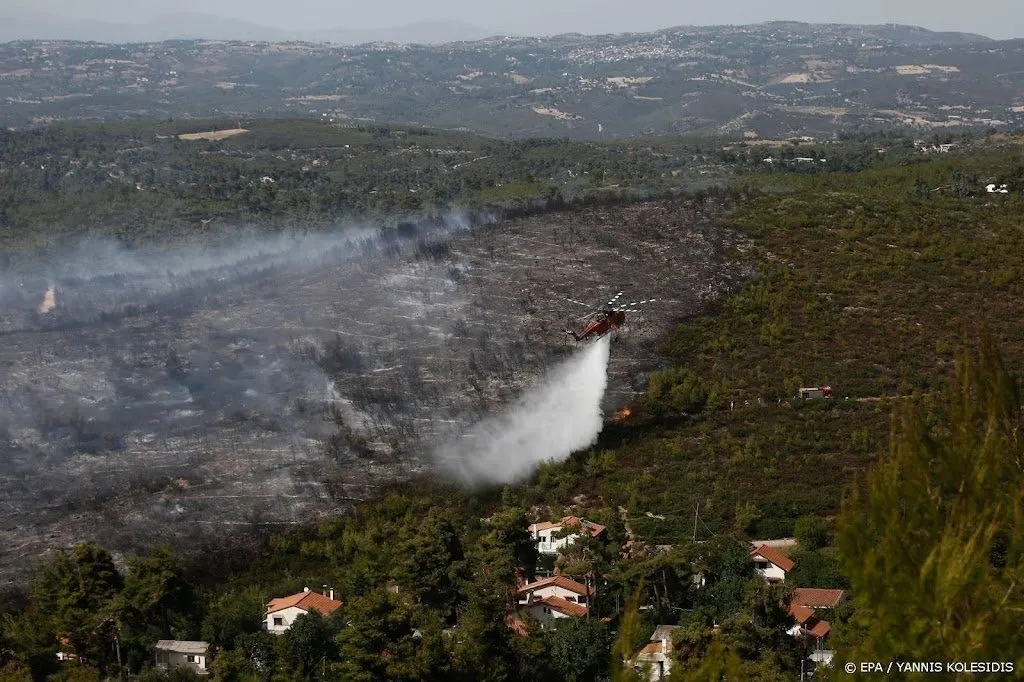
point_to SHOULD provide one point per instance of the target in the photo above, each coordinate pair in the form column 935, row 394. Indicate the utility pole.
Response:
column 696, row 513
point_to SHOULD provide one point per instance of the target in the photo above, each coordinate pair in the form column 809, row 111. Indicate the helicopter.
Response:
column 608, row 318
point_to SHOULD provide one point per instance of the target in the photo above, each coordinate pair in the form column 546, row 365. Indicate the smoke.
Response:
column 548, row 422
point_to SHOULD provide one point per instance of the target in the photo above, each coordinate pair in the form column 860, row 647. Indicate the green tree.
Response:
column 155, row 603
column 379, row 643
column 816, row 569
column 233, row 614
column 433, row 565
column 76, row 593
column 933, row 537
column 308, row 645
column 811, row 532
column 578, row 649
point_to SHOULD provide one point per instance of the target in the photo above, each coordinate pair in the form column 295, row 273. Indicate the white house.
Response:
column 656, row 657
column 814, row 630
column 556, row 586
column 770, row 563
column 549, row 610
column 282, row 612
column 803, row 602
column 191, row 655
column 546, row 533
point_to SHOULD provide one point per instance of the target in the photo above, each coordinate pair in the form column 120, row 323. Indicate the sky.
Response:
column 995, row 18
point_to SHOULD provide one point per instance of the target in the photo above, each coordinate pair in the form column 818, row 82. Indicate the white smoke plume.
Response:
column 548, row 422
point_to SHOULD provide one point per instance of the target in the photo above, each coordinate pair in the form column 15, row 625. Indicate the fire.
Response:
column 49, row 301
column 623, row 414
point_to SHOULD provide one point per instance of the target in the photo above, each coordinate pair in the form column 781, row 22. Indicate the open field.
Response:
column 212, row 135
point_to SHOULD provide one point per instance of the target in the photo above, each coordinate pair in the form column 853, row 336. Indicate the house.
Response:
column 814, row 630
column 549, row 610
column 815, row 393
column 656, row 657
column 817, row 598
column 191, row 655
column 770, row 563
column 546, row 534
column 556, row 586
column 282, row 612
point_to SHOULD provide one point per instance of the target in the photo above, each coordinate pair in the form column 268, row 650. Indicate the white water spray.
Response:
column 549, row 422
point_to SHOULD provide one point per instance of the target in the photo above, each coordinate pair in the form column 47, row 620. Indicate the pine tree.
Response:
column 932, row 540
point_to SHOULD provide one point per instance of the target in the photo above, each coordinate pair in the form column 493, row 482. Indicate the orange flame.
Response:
column 623, row 414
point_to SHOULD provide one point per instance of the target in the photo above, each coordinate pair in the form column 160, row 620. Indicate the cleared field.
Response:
column 212, row 135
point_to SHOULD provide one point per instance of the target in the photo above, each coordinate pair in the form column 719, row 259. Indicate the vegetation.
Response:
column 865, row 281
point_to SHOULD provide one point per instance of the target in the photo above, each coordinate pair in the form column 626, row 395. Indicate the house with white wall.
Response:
column 814, row 630
column 185, row 654
column 547, row 533
column 282, row 612
column 656, row 657
column 804, row 601
column 556, row 586
column 549, row 610
column 770, row 563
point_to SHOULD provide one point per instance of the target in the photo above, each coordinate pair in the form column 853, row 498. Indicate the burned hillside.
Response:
column 195, row 393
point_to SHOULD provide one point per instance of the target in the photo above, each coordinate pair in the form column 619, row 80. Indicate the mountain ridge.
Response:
column 26, row 24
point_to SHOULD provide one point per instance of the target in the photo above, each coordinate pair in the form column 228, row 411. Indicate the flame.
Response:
column 49, row 301
column 623, row 414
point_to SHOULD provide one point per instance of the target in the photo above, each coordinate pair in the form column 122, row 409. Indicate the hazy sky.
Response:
column 996, row 18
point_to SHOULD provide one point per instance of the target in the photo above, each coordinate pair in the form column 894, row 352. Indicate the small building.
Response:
column 770, row 563
column 546, row 534
column 191, row 655
column 549, row 610
column 282, row 612
column 656, row 657
column 815, row 393
column 814, row 631
column 817, row 598
column 556, row 586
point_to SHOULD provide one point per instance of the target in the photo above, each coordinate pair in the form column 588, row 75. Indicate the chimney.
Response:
column 305, row 589
column 332, row 594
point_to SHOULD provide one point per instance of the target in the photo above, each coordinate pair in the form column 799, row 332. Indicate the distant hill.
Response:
column 21, row 24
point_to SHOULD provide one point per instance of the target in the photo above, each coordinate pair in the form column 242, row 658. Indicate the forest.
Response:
column 892, row 277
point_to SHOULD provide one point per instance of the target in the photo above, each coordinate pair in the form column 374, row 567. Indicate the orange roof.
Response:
column 820, row 629
column 655, row 648
column 557, row 581
column 774, row 556
column 815, row 597
column 307, row 601
column 801, row 614
column 594, row 529
column 562, row 606
column 543, row 525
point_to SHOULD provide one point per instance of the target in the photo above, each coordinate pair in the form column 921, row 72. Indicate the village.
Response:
column 551, row 597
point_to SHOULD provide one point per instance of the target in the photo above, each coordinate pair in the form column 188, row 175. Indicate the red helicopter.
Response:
column 609, row 318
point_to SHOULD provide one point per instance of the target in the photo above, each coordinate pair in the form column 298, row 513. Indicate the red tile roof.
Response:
column 801, row 614
column 594, row 529
column 774, row 556
column 655, row 648
column 562, row 606
column 820, row 629
column 307, row 601
column 809, row 625
column 557, row 581
column 815, row 597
